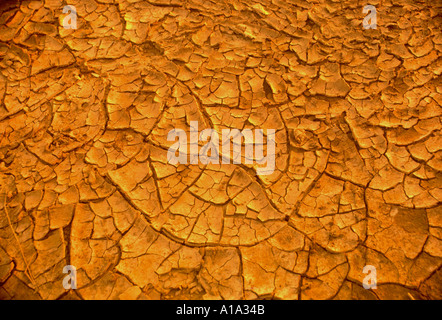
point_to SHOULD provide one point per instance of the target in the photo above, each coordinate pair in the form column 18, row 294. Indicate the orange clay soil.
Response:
column 84, row 176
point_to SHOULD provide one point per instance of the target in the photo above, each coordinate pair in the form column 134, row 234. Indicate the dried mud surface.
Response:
column 84, row 178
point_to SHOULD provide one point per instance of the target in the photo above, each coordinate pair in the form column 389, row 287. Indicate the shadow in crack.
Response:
column 6, row 5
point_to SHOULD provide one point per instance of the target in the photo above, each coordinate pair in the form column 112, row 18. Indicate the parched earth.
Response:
column 84, row 176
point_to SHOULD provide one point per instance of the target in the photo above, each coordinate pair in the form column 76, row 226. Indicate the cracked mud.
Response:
column 84, row 176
